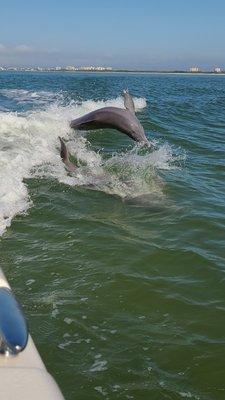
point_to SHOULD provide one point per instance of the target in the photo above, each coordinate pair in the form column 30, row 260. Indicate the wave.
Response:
column 42, row 97
column 29, row 148
column 22, row 96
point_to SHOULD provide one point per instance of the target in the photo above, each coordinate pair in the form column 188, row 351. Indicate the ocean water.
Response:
column 119, row 266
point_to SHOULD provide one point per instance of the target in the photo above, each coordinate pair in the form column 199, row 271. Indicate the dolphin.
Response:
column 65, row 156
column 124, row 120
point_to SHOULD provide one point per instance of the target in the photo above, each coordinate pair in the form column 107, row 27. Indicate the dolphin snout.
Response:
column 146, row 143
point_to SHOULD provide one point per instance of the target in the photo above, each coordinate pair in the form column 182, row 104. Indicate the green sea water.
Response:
column 120, row 267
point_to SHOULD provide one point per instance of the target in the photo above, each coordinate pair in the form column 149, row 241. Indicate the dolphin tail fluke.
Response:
column 128, row 101
column 65, row 156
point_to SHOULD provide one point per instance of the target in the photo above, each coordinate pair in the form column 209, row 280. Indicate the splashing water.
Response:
column 29, row 147
column 126, row 288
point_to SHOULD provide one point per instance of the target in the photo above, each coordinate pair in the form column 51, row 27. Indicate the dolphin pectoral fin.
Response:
column 128, row 101
column 65, row 156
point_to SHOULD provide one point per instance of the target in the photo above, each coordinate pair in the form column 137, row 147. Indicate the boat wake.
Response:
column 29, row 148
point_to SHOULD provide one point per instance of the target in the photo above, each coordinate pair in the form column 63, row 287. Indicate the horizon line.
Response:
column 100, row 68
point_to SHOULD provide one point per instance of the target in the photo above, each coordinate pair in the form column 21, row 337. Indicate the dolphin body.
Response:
column 124, row 120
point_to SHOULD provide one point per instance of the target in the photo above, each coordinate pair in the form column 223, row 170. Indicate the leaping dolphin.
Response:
column 124, row 120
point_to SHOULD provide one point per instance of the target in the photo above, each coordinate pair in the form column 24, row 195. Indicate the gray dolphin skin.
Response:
column 123, row 120
column 65, row 156
column 128, row 101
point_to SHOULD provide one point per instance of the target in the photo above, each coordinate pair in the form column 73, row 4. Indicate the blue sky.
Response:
column 126, row 33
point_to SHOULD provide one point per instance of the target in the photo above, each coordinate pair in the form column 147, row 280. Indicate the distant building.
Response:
column 194, row 69
column 57, row 68
column 217, row 70
column 92, row 68
column 70, row 68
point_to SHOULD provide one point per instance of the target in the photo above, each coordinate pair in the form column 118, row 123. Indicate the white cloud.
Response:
column 23, row 48
column 2, row 48
column 28, row 55
column 11, row 50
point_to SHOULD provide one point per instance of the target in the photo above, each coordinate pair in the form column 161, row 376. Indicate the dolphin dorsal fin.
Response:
column 128, row 101
column 64, row 152
column 65, row 156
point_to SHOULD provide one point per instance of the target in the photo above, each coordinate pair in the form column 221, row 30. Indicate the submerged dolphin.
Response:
column 124, row 120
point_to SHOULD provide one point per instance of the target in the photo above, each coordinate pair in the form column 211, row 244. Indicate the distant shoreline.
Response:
column 115, row 71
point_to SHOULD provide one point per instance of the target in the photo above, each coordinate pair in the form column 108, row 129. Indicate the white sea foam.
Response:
column 89, row 105
column 22, row 96
column 29, row 147
column 99, row 364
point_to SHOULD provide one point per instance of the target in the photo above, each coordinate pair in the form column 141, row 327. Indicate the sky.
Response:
column 145, row 34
